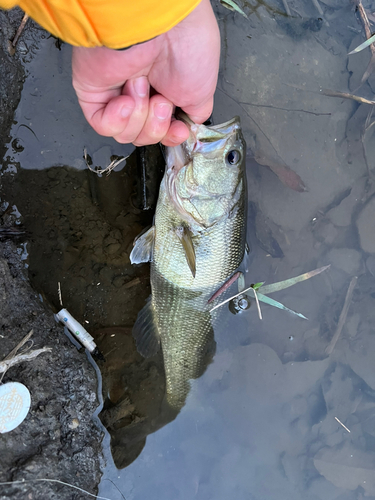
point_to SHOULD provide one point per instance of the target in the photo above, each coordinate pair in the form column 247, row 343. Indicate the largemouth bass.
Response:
column 196, row 243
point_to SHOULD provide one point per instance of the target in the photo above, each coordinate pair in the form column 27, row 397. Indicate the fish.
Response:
column 195, row 245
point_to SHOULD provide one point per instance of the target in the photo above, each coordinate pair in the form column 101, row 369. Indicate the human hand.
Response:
column 113, row 87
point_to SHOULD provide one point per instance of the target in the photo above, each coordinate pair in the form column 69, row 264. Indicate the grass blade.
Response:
column 363, row 45
column 274, row 303
column 231, row 5
column 281, row 285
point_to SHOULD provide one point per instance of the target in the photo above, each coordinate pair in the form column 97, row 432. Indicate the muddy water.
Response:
column 263, row 422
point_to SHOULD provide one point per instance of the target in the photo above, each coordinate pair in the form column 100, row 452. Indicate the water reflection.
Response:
column 136, row 401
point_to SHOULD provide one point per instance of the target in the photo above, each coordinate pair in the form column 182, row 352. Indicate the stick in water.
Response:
column 343, row 315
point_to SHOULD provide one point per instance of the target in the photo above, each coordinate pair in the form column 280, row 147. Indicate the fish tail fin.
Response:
column 145, row 331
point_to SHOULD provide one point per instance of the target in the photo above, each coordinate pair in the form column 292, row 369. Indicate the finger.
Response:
column 200, row 113
column 157, row 123
column 178, row 133
column 109, row 118
column 138, row 89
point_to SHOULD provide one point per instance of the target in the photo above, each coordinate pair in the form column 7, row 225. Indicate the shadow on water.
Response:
column 270, row 416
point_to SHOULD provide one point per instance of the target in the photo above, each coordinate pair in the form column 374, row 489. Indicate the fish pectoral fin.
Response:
column 185, row 236
column 145, row 331
column 143, row 247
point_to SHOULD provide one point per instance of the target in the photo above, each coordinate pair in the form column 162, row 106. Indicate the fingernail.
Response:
column 163, row 111
column 141, row 86
column 126, row 111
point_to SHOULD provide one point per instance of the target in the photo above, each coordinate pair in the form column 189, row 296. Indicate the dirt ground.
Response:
column 58, row 439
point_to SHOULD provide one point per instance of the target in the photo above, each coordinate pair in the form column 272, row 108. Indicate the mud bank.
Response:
column 58, row 439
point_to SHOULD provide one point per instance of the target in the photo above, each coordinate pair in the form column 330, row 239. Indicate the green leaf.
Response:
column 281, row 285
column 257, row 285
column 231, row 5
column 274, row 303
column 363, row 45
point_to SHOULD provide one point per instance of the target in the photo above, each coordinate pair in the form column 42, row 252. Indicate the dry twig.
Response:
column 13, row 43
column 20, row 358
column 13, row 358
column 108, row 169
column 59, row 293
column 366, row 26
column 346, row 95
column 258, row 305
column 339, row 421
column 342, row 319
column 286, row 7
column 14, row 351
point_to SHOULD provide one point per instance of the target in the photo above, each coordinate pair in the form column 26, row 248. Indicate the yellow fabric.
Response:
column 113, row 23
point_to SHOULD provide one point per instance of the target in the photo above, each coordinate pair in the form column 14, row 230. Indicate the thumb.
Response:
column 200, row 113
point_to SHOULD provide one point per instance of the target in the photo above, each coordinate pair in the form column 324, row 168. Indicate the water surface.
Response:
column 263, row 422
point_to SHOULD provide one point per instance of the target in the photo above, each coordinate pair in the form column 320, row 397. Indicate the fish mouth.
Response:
column 202, row 139
column 206, row 140
column 208, row 133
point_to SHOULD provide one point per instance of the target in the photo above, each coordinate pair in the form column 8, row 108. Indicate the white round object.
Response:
column 14, row 405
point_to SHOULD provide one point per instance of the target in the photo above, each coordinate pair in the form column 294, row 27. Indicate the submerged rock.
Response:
column 346, row 259
column 366, row 227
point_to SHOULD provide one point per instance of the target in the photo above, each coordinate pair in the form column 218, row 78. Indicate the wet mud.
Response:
column 59, row 439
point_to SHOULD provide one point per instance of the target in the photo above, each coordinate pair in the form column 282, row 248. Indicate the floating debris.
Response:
column 339, row 421
column 286, row 7
column 366, row 25
column 363, row 45
column 275, row 287
column 278, row 305
column 257, row 302
column 346, row 95
column 108, row 169
column 281, row 285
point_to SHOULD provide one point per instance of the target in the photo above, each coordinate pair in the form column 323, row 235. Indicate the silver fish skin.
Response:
column 197, row 242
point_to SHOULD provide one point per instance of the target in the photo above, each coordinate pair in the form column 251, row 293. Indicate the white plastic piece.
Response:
column 14, row 405
column 76, row 329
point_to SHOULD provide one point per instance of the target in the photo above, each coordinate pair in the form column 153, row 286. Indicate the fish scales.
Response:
column 184, row 319
column 205, row 196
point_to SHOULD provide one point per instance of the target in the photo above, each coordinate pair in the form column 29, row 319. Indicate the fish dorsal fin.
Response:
column 185, row 236
column 145, row 331
column 143, row 247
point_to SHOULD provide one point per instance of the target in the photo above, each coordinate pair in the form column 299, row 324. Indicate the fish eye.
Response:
column 233, row 157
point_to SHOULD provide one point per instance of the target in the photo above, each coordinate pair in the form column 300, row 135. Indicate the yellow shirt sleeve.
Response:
column 111, row 23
